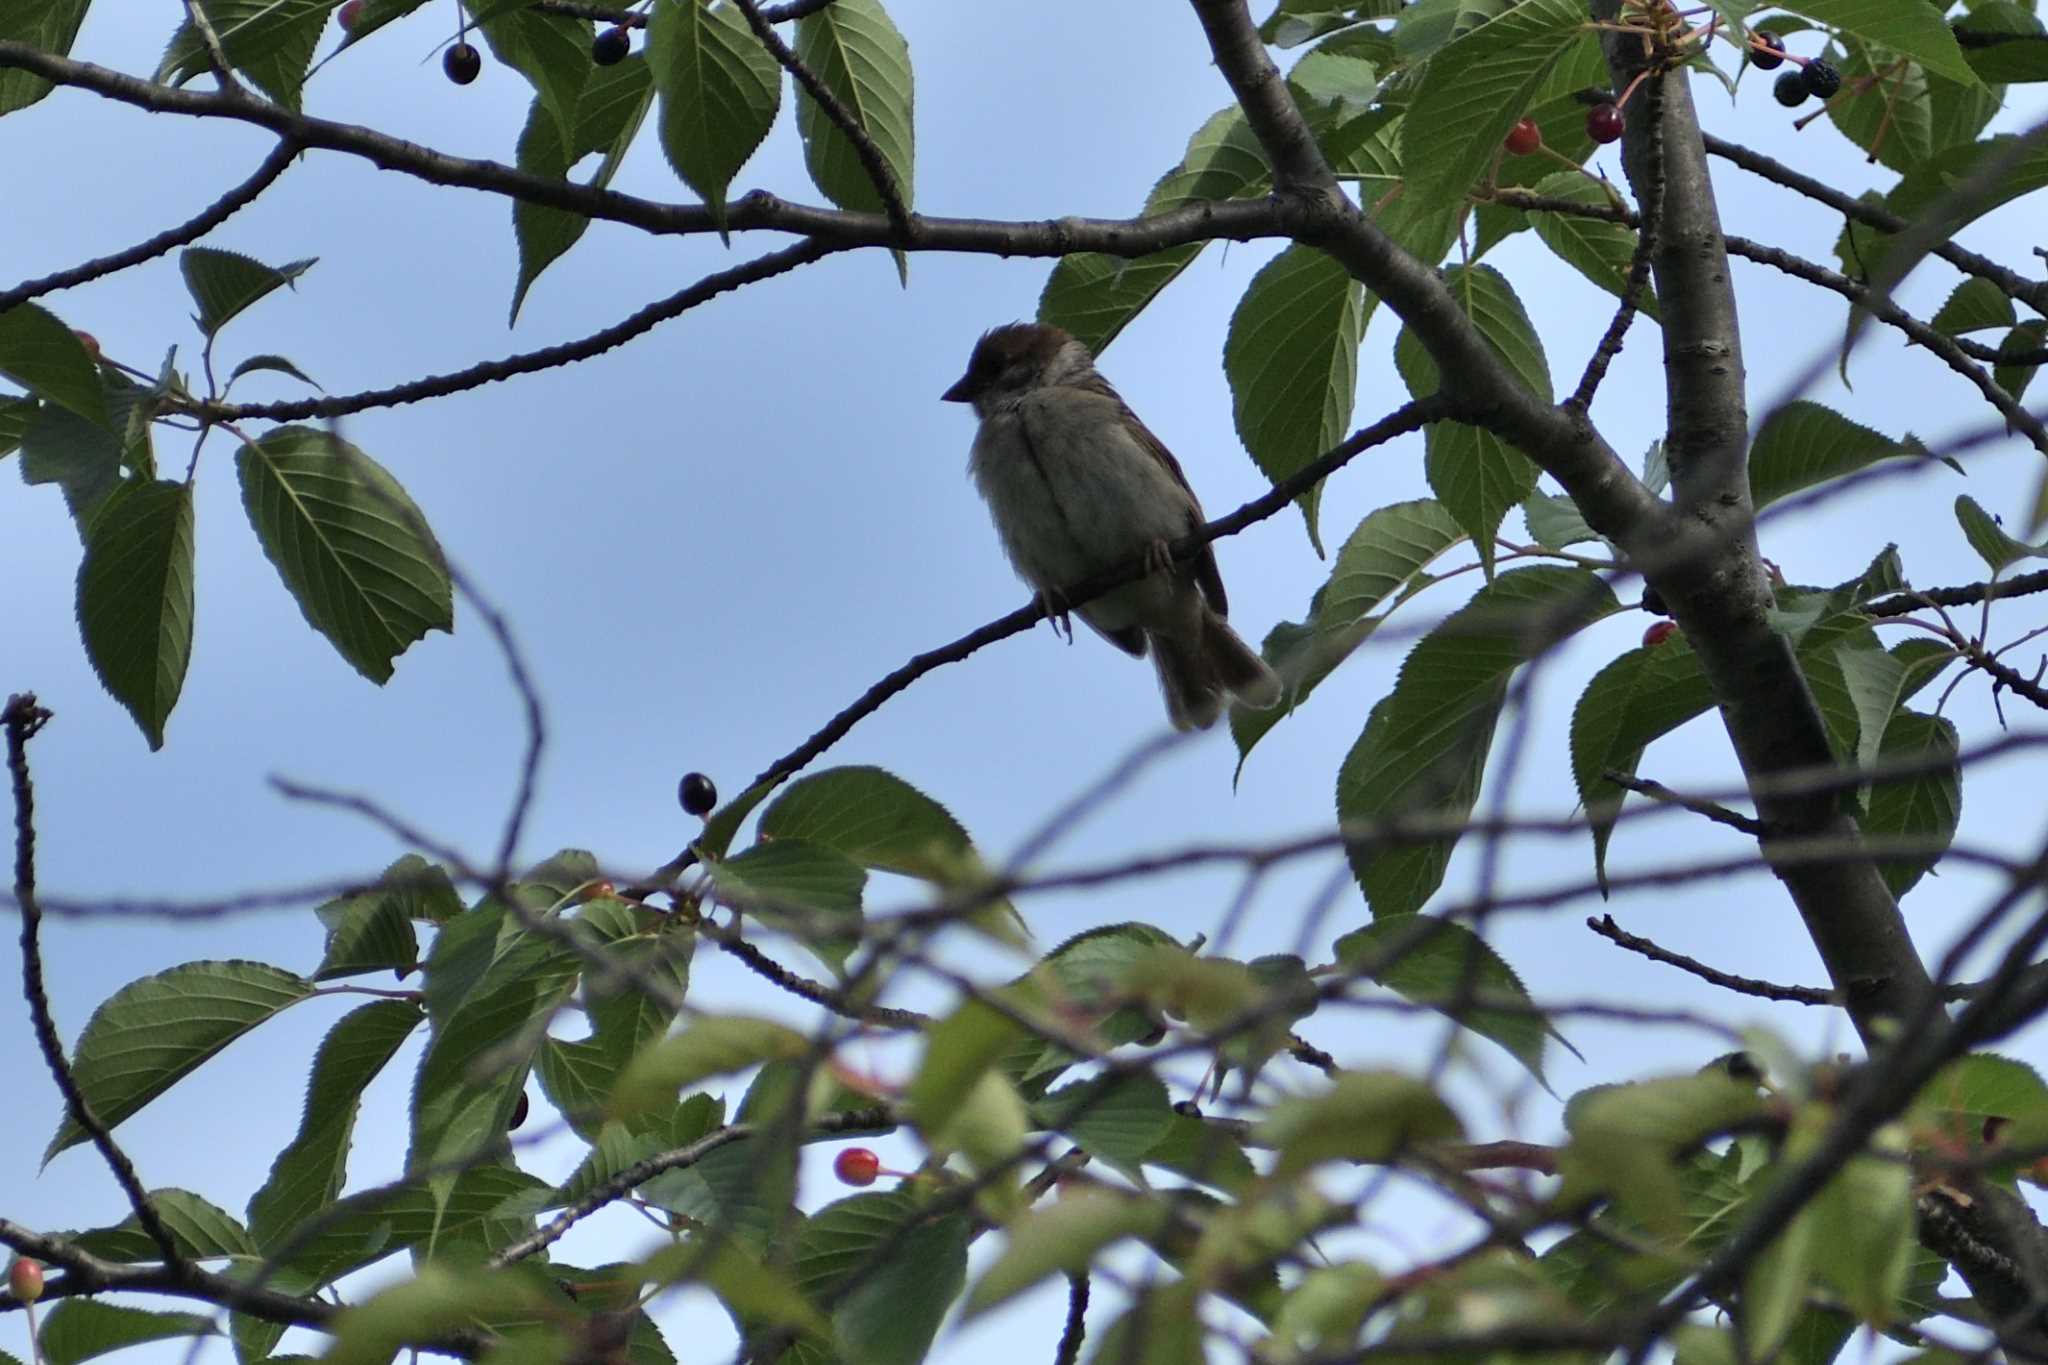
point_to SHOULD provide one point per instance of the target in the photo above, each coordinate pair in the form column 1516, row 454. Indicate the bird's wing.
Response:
column 1203, row 564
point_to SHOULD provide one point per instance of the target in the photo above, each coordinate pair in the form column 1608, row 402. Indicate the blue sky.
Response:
column 714, row 538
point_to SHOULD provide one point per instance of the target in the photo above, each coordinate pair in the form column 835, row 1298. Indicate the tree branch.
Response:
column 2034, row 293
column 1236, row 220
column 205, row 221
column 1713, row 577
column 22, row 718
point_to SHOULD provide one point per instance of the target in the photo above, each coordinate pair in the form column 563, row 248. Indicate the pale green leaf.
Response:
column 720, row 91
column 854, row 49
column 223, row 283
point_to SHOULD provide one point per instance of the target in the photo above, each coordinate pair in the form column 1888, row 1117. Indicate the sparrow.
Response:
column 1076, row 484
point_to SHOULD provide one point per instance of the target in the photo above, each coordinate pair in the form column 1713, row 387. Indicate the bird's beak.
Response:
column 959, row 393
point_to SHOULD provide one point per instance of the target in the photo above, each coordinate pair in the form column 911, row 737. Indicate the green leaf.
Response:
column 1366, row 1116
column 438, row 1301
column 364, row 1228
column 1998, row 550
column 1447, row 967
column 135, row 598
column 552, row 51
column 609, row 116
column 275, row 363
column 1382, row 559
column 1982, row 1086
column 2025, row 339
column 372, row 930
column 720, row 91
column 1893, row 118
column 854, row 50
column 1976, row 305
column 475, row 1064
column 874, row 818
column 958, row 1050
column 270, row 42
column 1916, row 31
column 1292, row 360
column 2022, row 58
column 1554, row 521
column 1865, row 1218
column 1119, row 1119
column 1599, row 250
column 1625, row 1140
column 716, row 1045
column 79, row 1329
column 152, row 1033
column 1065, row 1236
column 17, row 415
column 223, row 283
column 202, row 1231
column 1424, row 747
column 815, row 892
column 49, row 25
column 907, row 1280
column 1477, row 476
column 1803, row 444
column 308, row 1174
column 1642, row 695
column 1932, row 183
column 1473, row 91
column 352, row 548
column 1095, row 296
column 45, row 357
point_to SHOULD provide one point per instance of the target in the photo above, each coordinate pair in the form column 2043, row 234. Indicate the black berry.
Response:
column 1771, row 55
column 697, row 794
column 518, row 1113
column 1653, row 602
column 463, row 63
column 1790, row 89
column 611, row 47
column 1821, row 78
column 1603, row 123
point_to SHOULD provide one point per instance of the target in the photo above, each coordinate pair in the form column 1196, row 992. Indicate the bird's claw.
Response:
column 1054, row 604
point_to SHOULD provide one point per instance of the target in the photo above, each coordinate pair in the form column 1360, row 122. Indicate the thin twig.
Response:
column 1071, row 1336
column 547, row 357
column 1605, row 926
column 1639, row 264
column 1719, row 814
column 205, row 221
column 22, row 718
column 2009, row 282
column 1967, row 594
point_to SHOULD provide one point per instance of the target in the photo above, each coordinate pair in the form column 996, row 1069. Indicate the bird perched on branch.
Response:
column 1077, row 485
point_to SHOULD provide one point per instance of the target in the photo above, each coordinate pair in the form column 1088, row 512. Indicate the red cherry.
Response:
column 1603, row 123
column 1524, row 138
column 857, row 1166
column 1659, row 632
column 25, row 1279
column 348, row 14
column 89, row 341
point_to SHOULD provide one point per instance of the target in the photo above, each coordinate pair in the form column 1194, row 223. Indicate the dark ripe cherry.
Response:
column 1821, row 78
column 611, row 46
column 1790, row 89
column 463, row 63
column 697, row 794
column 1771, row 55
column 1604, row 123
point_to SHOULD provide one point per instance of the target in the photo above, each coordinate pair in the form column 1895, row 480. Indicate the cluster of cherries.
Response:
column 463, row 63
column 1766, row 52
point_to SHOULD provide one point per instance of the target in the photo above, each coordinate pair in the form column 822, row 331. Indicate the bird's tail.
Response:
column 1197, row 674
